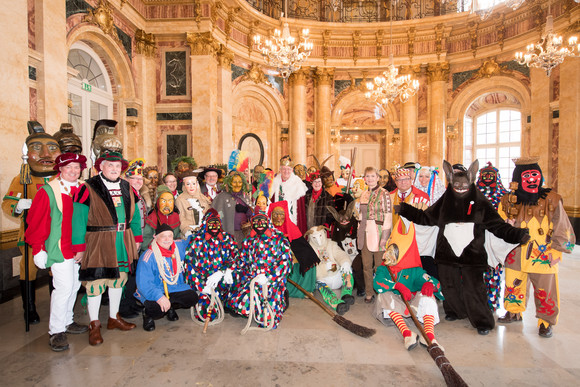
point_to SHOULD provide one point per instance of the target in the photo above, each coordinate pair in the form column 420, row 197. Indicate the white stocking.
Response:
column 93, row 305
column 115, row 295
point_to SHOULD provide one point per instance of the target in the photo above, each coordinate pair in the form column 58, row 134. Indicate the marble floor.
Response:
column 307, row 349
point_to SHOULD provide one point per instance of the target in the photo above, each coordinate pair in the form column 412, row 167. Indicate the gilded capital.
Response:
column 298, row 78
column 225, row 57
column 145, row 43
column 438, row 71
column 202, row 43
column 323, row 76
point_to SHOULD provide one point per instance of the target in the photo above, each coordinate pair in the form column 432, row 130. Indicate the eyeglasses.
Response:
column 406, row 179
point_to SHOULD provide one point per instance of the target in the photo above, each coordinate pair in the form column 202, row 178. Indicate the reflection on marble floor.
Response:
column 307, row 349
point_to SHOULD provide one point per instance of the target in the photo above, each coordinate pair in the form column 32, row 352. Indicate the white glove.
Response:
column 23, row 204
column 228, row 277
column 214, row 279
column 261, row 279
column 40, row 259
column 206, row 290
column 346, row 268
column 187, row 234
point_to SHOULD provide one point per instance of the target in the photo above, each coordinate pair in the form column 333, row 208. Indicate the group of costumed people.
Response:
column 227, row 242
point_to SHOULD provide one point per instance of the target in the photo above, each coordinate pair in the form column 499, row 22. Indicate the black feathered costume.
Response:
column 461, row 270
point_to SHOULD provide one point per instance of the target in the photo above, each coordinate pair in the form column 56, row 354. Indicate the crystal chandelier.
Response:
column 389, row 85
column 549, row 52
column 282, row 51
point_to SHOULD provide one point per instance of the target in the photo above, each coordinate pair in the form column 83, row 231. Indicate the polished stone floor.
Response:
column 307, row 349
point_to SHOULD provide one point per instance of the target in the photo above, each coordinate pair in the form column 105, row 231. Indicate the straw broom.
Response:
column 343, row 322
column 451, row 377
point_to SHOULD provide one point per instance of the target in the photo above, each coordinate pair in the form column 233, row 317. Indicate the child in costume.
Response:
column 409, row 281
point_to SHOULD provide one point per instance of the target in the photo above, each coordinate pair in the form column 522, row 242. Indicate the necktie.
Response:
column 403, row 196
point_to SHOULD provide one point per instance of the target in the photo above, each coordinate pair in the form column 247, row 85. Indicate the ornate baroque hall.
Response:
column 202, row 78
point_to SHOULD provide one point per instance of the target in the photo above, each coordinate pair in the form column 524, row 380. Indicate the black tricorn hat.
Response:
column 211, row 168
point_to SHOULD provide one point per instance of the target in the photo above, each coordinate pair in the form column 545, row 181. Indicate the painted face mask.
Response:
column 153, row 176
column 236, row 184
column 42, row 152
column 260, row 224
column 165, row 203
column 531, row 180
column 213, row 227
column 262, row 203
column 300, row 171
column 489, row 178
column 278, row 216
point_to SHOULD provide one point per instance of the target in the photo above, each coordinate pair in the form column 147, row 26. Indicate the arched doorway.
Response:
column 90, row 93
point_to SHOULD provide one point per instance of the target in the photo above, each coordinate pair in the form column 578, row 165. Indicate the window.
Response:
column 90, row 95
column 493, row 136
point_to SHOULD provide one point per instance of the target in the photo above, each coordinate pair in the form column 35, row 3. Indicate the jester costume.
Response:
column 489, row 183
column 265, row 252
column 210, row 251
column 542, row 212
column 409, row 281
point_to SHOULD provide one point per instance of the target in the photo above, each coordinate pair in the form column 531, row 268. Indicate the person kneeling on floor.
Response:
column 160, row 284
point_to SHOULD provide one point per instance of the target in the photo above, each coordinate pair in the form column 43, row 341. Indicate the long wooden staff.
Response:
column 343, row 322
column 352, row 156
column 451, row 377
column 25, row 180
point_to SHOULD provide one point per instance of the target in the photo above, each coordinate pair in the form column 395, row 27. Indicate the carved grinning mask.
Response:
column 278, row 216
column 260, row 224
column 166, row 203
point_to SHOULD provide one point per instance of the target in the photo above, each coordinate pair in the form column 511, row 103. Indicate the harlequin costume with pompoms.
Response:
column 410, row 281
column 267, row 253
column 489, row 183
column 207, row 254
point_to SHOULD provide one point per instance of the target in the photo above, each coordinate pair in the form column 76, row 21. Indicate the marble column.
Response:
column 15, row 106
column 438, row 74
column 409, row 117
column 50, row 18
column 297, row 135
column 146, row 122
column 568, row 156
column 540, row 141
column 323, row 93
column 204, row 98
column 225, row 124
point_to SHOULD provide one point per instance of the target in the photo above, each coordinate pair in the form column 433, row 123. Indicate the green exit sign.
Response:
column 87, row 87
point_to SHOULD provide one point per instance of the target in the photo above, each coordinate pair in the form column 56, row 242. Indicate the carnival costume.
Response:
column 49, row 234
column 106, row 227
column 489, row 183
column 42, row 150
column 265, row 258
column 291, row 191
column 410, row 281
column 164, row 212
column 211, row 253
column 191, row 205
column 160, row 273
column 435, row 188
column 304, row 258
column 463, row 216
column 542, row 212
column 333, row 272
column 234, row 205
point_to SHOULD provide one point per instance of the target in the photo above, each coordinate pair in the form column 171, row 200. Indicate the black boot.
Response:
column 33, row 317
column 148, row 322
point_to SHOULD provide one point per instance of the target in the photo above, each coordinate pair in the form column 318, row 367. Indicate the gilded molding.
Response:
column 411, row 32
column 8, row 239
column 298, row 78
column 251, row 34
column 202, row 43
column 102, row 16
column 145, row 43
column 255, row 74
column 489, row 68
column 438, row 72
column 439, row 28
column 225, row 57
column 325, row 43
column 380, row 35
column 232, row 13
column 473, row 26
column 573, row 211
column 500, row 29
column 355, row 45
column 323, row 76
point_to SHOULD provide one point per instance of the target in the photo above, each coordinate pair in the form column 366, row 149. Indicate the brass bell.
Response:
column 541, row 231
column 542, row 213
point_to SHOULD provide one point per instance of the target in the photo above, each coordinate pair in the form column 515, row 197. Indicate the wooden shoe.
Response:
column 95, row 337
column 119, row 323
